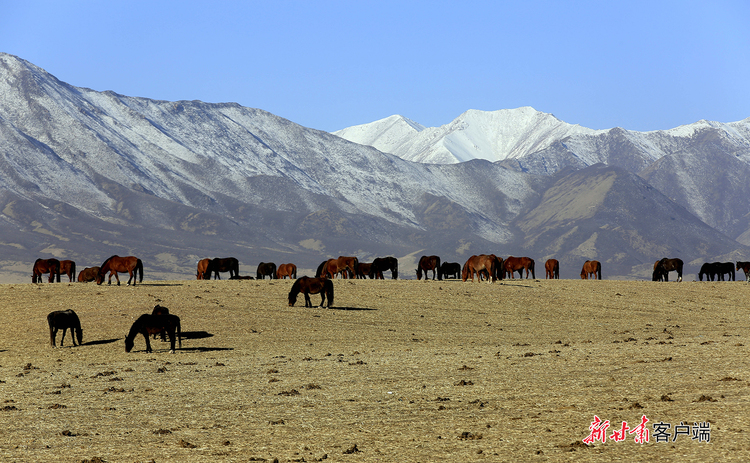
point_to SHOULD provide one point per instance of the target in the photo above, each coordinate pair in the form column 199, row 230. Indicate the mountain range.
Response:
column 86, row 174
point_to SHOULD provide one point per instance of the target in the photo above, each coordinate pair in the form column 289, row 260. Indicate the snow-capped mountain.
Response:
column 87, row 174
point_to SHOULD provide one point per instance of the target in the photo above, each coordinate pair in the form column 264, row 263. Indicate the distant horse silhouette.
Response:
column 745, row 267
column 717, row 270
column 64, row 320
column 225, row 264
column 519, row 264
column 68, row 267
column 451, row 270
column 152, row 324
column 266, row 269
column 381, row 264
column 427, row 263
column 307, row 286
column 115, row 264
column 88, row 274
column 552, row 269
column 42, row 266
column 364, row 270
column 664, row 266
column 286, row 270
column 591, row 269
column 479, row 264
column 201, row 268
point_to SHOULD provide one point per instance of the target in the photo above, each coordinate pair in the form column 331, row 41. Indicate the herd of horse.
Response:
column 114, row 265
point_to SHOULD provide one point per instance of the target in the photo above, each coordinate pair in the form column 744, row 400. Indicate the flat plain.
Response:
column 404, row 370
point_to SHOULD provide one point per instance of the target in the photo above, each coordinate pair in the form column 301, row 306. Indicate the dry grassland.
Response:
column 399, row 371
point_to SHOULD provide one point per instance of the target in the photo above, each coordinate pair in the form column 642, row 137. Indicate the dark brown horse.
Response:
column 591, row 269
column 88, row 274
column 717, row 270
column 64, row 320
column 552, row 269
column 115, row 264
column 427, row 263
column 225, row 264
column 480, row 264
column 450, row 270
column 745, row 267
column 42, row 266
column 201, row 268
column 519, row 264
column 286, row 270
column 307, row 286
column 68, row 267
column 381, row 264
column 152, row 324
column 266, row 269
column 664, row 266
column 364, row 270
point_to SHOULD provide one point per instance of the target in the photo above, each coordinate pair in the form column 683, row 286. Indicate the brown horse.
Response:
column 266, row 269
column 346, row 266
column 225, row 264
column 552, row 269
column 152, row 324
column 664, row 266
column 88, row 274
column 384, row 263
column 200, row 271
column 307, row 286
column 482, row 263
column 64, row 320
column 115, row 264
column 286, row 270
column 745, row 267
column 68, row 267
column 519, row 264
column 591, row 269
column 364, row 270
column 42, row 266
column 427, row 263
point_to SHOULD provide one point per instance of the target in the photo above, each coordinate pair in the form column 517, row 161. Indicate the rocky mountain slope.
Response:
column 87, row 174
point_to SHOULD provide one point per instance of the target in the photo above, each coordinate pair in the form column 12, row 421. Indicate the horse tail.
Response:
column 329, row 291
column 437, row 264
column 179, row 332
column 139, row 269
column 531, row 266
column 394, row 269
column 72, row 271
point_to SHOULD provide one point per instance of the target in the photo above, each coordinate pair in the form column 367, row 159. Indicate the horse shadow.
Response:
column 195, row 335
column 101, row 341
column 204, row 349
column 351, row 308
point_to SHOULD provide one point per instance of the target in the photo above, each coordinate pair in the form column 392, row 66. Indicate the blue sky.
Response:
column 331, row 64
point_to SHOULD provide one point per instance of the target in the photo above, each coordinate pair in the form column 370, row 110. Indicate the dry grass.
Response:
column 399, row 371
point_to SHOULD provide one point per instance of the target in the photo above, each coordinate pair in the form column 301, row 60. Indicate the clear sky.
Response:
column 641, row 65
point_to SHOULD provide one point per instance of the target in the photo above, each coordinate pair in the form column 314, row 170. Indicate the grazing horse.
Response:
column 200, row 271
column 451, row 270
column 427, row 263
column 745, row 267
column 115, row 264
column 151, row 324
column 519, row 264
column 384, row 263
column 478, row 264
column 718, row 270
column 664, row 266
column 42, row 266
column 225, row 264
column 266, row 269
column 307, row 286
column 591, row 269
column 552, row 269
column 364, row 270
column 286, row 270
column 64, row 320
column 68, row 267
column 88, row 274
column 334, row 267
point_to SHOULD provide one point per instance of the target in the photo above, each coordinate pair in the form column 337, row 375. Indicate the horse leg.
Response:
column 148, row 343
column 62, row 339
column 52, row 335
column 308, row 302
column 323, row 298
column 171, row 334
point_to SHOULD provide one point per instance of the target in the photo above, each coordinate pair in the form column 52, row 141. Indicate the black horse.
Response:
column 664, row 266
column 64, row 320
column 717, row 270
column 384, row 263
column 307, row 286
column 451, row 270
column 266, row 269
column 226, row 264
column 151, row 324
